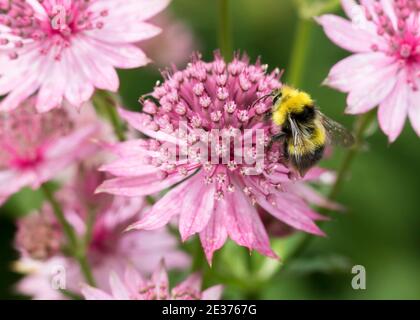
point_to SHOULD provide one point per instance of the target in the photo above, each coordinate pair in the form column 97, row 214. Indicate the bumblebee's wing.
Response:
column 337, row 134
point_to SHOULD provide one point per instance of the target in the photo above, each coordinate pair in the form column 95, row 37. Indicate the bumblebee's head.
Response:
column 288, row 101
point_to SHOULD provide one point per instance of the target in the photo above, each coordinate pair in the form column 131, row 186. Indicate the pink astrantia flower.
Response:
column 67, row 48
column 37, row 147
column 133, row 287
column 110, row 249
column 215, row 200
column 384, row 69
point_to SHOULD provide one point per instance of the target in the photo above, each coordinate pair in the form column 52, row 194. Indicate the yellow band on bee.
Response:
column 292, row 101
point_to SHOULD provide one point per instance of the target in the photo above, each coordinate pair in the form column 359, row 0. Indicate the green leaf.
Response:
column 320, row 264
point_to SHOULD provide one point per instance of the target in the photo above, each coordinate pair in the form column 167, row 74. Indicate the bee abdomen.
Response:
column 302, row 162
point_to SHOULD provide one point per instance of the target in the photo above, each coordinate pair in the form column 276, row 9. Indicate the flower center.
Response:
column 50, row 23
column 397, row 22
column 25, row 135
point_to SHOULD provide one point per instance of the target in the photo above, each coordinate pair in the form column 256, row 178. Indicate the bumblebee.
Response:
column 305, row 129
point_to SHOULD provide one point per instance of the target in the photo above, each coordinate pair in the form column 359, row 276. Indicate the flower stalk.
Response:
column 362, row 125
column 298, row 56
column 77, row 248
column 225, row 30
column 106, row 104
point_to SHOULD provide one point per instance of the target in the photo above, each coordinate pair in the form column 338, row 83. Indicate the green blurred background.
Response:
column 381, row 228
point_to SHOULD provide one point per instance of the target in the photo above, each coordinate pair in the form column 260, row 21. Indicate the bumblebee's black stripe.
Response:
column 306, row 161
column 307, row 115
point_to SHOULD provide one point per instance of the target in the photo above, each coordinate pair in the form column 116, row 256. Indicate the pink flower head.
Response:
column 213, row 198
column 36, row 147
column 110, row 248
column 134, row 287
column 39, row 236
column 385, row 67
column 67, row 48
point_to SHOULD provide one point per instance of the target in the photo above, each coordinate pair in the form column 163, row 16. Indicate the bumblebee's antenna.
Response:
column 261, row 98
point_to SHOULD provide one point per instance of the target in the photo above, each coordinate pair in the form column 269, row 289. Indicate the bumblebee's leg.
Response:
column 267, row 116
column 277, row 137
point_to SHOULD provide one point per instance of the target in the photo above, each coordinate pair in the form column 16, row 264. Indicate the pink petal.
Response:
column 78, row 89
column 161, row 282
column 163, row 210
column 414, row 111
column 12, row 181
column 197, row 207
column 129, row 32
column 141, row 185
column 132, row 279
column 100, row 73
column 244, row 225
column 72, row 143
column 212, row 293
column 26, row 88
column 372, row 90
column 118, row 289
column 130, row 166
column 139, row 121
column 289, row 214
column 313, row 197
column 214, row 235
column 191, row 284
column 38, row 9
column 121, row 11
column 91, row 293
column 130, row 148
column 352, row 70
column 125, row 56
column 350, row 7
column 346, row 35
column 393, row 111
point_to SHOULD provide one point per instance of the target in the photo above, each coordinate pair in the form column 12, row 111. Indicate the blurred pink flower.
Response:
column 110, row 249
column 214, row 200
column 174, row 45
column 67, row 48
column 384, row 69
column 39, row 235
column 37, row 147
column 134, row 287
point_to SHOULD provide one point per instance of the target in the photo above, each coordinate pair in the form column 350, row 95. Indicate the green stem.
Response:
column 77, row 250
column 299, row 53
column 85, row 267
column 115, row 121
column 199, row 259
column 225, row 30
column 106, row 103
column 361, row 126
column 59, row 214
column 90, row 220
